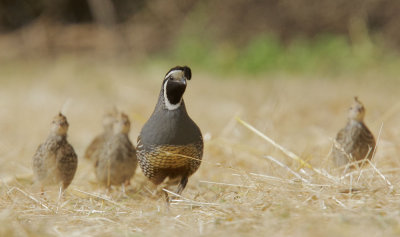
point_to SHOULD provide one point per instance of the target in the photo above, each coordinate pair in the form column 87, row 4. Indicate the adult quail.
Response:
column 95, row 147
column 355, row 141
column 117, row 161
column 170, row 143
column 55, row 161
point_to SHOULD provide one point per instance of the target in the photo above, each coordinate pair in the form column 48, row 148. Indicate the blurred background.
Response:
column 226, row 36
column 290, row 68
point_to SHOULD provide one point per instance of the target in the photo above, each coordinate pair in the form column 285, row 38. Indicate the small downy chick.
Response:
column 117, row 161
column 55, row 161
column 95, row 147
column 354, row 142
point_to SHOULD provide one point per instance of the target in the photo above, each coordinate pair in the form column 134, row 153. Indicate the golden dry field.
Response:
column 245, row 186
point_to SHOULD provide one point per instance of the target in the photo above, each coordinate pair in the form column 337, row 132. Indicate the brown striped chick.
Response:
column 55, row 161
column 354, row 142
column 117, row 161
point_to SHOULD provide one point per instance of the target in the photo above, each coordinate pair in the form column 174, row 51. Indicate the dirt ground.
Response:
column 240, row 189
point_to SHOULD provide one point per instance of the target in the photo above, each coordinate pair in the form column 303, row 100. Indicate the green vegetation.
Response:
column 326, row 54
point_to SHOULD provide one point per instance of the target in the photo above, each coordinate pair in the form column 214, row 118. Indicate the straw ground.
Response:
column 245, row 186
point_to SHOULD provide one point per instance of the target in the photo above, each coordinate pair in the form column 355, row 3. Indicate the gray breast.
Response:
column 170, row 127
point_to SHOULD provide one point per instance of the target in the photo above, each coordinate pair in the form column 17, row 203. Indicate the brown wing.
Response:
column 39, row 169
column 364, row 143
column 67, row 163
column 367, row 136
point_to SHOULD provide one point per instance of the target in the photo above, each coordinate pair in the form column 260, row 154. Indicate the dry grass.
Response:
column 245, row 186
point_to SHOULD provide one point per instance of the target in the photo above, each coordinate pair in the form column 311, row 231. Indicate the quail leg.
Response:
column 123, row 189
column 182, row 185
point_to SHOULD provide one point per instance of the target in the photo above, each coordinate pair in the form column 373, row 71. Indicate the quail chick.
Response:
column 170, row 144
column 93, row 150
column 55, row 161
column 354, row 142
column 117, row 161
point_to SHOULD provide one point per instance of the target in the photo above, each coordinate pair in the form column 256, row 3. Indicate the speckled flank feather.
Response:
column 55, row 162
column 158, row 161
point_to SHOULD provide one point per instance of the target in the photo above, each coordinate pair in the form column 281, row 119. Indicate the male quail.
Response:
column 354, row 142
column 55, row 161
column 170, row 143
column 93, row 150
column 117, row 161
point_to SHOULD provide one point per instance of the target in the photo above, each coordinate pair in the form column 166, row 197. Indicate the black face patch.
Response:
column 174, row 91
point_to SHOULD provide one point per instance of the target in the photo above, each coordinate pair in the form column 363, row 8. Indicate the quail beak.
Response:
column 183, row 81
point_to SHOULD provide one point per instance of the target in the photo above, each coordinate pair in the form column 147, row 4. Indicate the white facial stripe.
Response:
column 166, row 101
column 171, row 72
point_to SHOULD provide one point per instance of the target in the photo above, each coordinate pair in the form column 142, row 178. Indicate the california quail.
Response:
column 55, row 161
column 354, row 142
column 170, row 143
column 93, row 150
column 117, row 161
